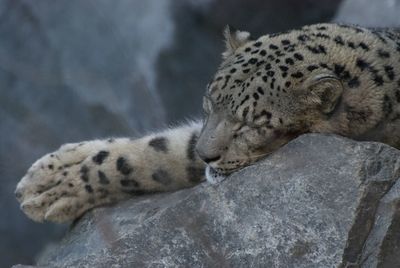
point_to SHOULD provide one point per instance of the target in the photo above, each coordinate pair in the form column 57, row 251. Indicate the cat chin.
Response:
column 213, row 176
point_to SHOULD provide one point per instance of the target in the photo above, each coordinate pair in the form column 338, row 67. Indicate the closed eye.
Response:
column 238, row 126
column 242, row 129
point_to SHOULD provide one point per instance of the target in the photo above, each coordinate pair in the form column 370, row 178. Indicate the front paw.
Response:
column 57, row 188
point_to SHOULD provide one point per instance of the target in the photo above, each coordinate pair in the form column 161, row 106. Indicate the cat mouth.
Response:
column 213, row 176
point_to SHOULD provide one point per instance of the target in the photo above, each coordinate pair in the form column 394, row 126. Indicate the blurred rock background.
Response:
column 75, row 70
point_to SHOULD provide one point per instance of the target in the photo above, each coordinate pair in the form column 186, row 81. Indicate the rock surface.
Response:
column 320, row 201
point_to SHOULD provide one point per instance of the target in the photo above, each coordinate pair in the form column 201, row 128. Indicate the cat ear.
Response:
column 233, row 40
column 326, row 90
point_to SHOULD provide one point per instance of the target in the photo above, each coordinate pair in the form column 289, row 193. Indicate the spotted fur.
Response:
column 325, row 78
column 61, row 186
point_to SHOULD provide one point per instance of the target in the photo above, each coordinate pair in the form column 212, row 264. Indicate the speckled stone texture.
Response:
column 320, row 201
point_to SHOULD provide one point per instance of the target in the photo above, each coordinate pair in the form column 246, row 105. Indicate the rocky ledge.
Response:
column 320, row 201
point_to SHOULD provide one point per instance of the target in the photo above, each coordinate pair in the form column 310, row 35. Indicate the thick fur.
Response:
column 62, row 185
column 325, row 78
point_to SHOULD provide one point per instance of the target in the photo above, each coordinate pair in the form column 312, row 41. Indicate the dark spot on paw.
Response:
column 84, row 173
column 159, row 144
column 129, row 183
column 161, row 176
column 100, row 157
column 103, row 178
column 123, row 167
column 50, row 167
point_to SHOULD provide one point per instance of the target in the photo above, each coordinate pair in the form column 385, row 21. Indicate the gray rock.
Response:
column 320, row 201
column 382, row 13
